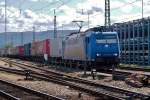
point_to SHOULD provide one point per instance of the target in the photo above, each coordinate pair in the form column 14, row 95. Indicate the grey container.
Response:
column 56, row 47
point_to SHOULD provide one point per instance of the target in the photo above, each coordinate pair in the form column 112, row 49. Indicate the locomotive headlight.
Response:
column 106, row 45
column 115, row 54
column 97, row 54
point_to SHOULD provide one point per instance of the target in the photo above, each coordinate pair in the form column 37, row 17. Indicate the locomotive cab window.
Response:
column 107, row 38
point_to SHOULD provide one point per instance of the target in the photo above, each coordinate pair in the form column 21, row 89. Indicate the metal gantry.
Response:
column 134, row 41
column 107, row 13
column 55, row 25
column 5, row 23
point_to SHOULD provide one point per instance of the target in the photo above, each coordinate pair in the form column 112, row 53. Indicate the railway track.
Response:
column 7, row 95
column 122, row 74
column 135, row 68
column 81, row 84
column 119, row 74
column 12, row 91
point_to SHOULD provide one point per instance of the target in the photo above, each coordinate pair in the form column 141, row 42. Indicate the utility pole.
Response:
column 88, row 20
column 5, row 22
column 142, row 8
column 107, row 14
column 82, row 11
column 12, row 40
column 21, row 32
column 107, row 25
column 20, row 12
column 22, row 38
column 33, row 33
column 62, row 30
column 55, row 27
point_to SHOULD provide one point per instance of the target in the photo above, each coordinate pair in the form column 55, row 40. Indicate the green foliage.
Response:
column 8, row 46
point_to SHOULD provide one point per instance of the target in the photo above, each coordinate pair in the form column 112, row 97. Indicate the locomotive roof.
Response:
column 88, row 33
column 109, row 32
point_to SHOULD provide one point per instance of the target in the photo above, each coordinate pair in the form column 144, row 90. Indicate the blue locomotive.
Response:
column 95, row 48
column 103, row 48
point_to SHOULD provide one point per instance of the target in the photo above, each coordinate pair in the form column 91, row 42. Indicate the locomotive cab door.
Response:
column 89, row 48
column 87, row 44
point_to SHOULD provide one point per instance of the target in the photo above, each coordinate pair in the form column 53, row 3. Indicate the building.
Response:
column 134, row 41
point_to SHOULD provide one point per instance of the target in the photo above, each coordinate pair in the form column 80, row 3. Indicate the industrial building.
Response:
column 134, row 41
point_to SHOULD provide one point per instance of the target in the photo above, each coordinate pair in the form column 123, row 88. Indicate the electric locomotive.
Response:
column 97, row 49
column 103, row 48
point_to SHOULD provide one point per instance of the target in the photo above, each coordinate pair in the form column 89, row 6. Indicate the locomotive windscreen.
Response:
column 106, row 38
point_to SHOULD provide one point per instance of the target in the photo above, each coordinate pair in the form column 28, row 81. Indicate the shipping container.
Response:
column 56, row 47
column 2, row 52
column 10, row 51
column 20, row 50
column 15, row 51
column 27, row 49
column 39, row 48
column 6, row 51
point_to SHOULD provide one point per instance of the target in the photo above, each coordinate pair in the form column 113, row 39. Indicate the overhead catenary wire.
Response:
column 117, row 8
column 21, row 3
column 124, row 5
column 128, row 19
column 63, row 3
column 52, row 3
column 46, row 6
column 91, row 15
column 129, row 3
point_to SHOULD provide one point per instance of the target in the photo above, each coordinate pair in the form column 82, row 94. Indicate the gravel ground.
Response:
column 100, row 79
column 6, row 65
column 47, row 87
column 121, row 84
column 1, row 98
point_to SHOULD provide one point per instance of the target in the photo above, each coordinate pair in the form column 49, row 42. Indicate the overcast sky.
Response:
column 39, row 13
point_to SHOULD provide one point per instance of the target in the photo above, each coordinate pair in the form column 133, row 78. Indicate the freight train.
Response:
column 93, row 48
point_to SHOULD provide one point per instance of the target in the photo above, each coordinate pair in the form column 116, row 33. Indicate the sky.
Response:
column 22, row 15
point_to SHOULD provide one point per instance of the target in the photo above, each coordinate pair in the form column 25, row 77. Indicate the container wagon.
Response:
column 2, row 52
column 27, row 51
column 55, row 50
column 39, row 48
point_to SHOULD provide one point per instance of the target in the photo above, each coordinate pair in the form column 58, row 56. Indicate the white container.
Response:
column 56, row 47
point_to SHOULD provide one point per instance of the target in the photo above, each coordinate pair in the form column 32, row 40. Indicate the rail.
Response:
column 8, row 96
column 91, row 87
column 30, row 91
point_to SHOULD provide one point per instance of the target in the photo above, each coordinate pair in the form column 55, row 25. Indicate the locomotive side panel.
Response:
column 74, row 48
